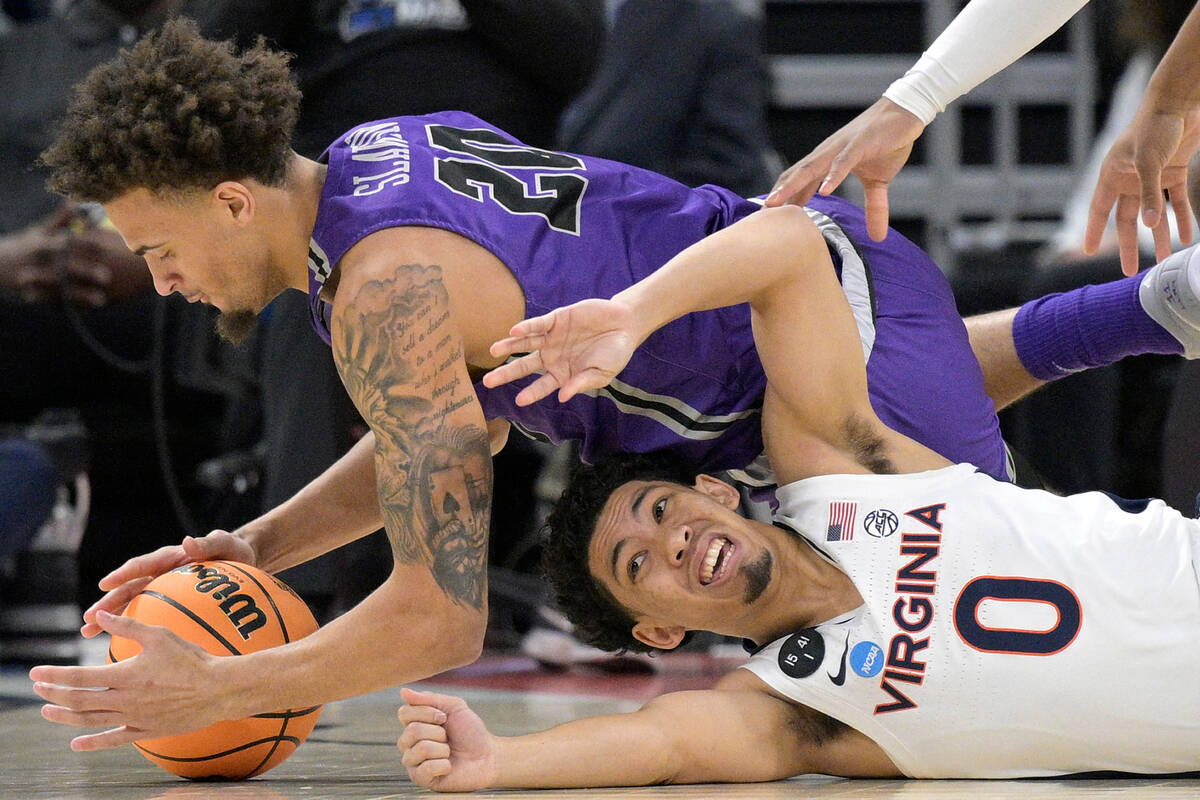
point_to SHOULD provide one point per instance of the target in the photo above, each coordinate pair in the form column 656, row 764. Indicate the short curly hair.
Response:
column 598, row 618
column 176, row 112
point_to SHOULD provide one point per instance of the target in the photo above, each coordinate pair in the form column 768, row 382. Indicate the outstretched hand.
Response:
column 1150, row 157
column 127, row 581
column 445, row 746
column 873, row 146
column 167, row 688
column 575, row 348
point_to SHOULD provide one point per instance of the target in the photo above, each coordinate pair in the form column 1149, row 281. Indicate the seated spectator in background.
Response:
column 28, row 485
column 79, row 321
column 682, row 90
column 70, row 257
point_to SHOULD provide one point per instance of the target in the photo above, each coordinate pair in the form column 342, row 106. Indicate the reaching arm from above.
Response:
column 777, row 261
column 983, row 39
column 1151, row 156
column 584, row 345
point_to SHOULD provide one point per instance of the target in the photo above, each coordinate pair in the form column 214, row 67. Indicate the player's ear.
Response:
column 236, row 200
column 718, row 490
column 663, row 637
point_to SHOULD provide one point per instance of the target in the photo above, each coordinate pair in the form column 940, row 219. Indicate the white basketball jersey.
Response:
column 1004, row 632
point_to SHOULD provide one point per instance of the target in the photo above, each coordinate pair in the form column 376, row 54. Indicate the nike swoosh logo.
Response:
column 840, row 678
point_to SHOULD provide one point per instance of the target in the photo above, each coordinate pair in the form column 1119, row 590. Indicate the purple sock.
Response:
column 1087, row 327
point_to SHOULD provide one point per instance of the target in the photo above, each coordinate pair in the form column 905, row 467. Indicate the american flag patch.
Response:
column 841, row 522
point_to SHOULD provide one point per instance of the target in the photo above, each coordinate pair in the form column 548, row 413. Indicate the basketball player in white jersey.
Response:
column 908, row 616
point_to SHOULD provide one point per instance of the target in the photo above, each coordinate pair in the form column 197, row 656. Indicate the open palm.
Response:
column 575, row 349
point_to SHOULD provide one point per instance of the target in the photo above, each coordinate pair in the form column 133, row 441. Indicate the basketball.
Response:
column 226, row 608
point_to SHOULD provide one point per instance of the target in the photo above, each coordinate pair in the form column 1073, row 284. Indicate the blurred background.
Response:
column 126, row 423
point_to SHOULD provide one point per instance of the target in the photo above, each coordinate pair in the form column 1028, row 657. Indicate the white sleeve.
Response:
column 983, row 39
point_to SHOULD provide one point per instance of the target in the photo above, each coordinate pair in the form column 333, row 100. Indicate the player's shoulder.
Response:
column 741, row 680
column 414, row 264
column 384, row 252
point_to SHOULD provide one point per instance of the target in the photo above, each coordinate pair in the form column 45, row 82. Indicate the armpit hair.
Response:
column 811, row 725
column 868, row 447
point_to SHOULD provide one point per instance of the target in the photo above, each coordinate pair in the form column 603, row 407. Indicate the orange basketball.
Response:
column 228, row 609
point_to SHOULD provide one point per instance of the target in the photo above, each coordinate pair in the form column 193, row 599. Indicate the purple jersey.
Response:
column 572, row 227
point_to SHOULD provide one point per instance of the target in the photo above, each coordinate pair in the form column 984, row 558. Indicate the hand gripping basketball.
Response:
column 168, row 675
column 224, row 608
column 127, row 581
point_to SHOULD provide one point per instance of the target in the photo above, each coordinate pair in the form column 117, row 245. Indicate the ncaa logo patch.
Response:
column 880, row 523
column 866, row 659
column 801, row 655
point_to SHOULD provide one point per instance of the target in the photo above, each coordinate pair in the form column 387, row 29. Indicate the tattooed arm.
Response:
column 401, row 359
column 413, row 307
column 402, row 349
column 402, row 345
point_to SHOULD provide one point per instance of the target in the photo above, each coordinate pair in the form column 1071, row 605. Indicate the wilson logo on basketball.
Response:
column 240, row 608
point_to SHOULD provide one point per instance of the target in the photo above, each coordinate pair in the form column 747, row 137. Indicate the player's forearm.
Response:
column 611, row 750
column 396, row 635
column 1175, row 85
column 739, row 264
column 337, row 507
column 983, row 39
column 707, row 736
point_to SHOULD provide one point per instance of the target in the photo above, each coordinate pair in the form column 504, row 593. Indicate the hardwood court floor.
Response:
column 352, row 752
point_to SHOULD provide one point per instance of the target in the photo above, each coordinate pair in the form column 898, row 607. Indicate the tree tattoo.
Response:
column 401, row 364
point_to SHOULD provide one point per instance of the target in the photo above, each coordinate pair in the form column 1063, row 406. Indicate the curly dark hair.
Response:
column 175, row 112
column 598, row 618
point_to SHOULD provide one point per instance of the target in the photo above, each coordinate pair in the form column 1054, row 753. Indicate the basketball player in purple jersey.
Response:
column 570, row 227
column 422, row 241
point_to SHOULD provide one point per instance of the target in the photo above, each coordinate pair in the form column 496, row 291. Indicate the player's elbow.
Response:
column 460, row 632
column 468, row 632
column 786, row 247
column 439, row 632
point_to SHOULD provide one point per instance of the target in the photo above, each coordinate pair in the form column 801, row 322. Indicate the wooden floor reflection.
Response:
column 352, row 752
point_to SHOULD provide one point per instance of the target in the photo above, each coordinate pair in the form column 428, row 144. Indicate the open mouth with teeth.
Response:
column 715, row 560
